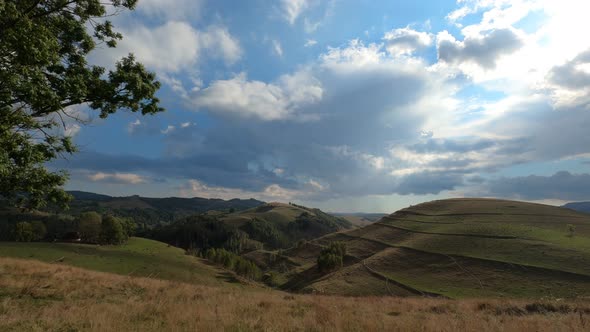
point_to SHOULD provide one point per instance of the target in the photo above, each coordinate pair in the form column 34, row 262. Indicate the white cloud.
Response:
column 266, row 101
column 168, row 129
column 277, row 48
column 166, row 10
column 173, row 47
column 484, row 50
column 72, row 129
column 292, row 9
column 273, row 192
column 310, row 43
column 405, row 41
column 220, row 43
column 169, row 47
column 129, row 178
column 132, row 126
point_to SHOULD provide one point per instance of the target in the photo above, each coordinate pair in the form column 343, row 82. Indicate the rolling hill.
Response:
column 270, row 226
column 152, row 211
column 138, row 257
column 453, row 248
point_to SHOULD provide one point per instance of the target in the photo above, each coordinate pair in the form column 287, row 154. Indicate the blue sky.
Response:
column 349, row 105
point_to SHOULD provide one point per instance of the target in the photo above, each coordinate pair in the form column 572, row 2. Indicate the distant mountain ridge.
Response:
column 155, row 210
column 578, row 206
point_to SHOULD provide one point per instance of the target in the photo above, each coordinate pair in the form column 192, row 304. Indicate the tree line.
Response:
column 88, row 227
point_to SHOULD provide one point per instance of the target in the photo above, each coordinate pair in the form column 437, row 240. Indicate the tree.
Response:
column 44, row 45
column 23, row 232
column 39, row 230
column 111, row 231
column 331, row 257
column 129, row 226
column 89, row 226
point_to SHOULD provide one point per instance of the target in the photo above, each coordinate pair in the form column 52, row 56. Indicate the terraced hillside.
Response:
column 456, row 248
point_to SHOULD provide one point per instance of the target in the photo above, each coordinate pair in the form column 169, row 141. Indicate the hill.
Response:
column 454, row 248
column 38, row 296
column 153, row 211
column 138, row 257
column 578, row 206
column 271, row 226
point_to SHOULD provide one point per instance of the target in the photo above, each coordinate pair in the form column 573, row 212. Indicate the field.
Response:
column 139, row 257
column 36, row 296
column 457, row 248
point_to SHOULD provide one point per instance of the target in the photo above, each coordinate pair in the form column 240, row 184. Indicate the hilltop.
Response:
column 153, row 211
column 454, row 248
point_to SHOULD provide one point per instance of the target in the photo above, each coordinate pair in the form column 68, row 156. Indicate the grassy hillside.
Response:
column 290, row 222
column 37, row 296
column 139, row 257
column 457, row 248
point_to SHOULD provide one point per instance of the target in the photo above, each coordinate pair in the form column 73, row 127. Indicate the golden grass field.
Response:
column 36, row 296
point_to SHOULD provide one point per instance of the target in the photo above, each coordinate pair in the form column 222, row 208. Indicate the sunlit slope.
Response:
column 287, row 223
column 459, row 248
column 138, row 257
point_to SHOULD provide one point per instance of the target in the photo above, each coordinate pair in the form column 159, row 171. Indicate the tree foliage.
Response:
column 44, row 45
column 231, row 261
column 331, row 257
column 89, row 226
column 111, row 231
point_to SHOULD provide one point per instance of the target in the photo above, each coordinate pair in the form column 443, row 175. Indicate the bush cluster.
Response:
column 231, row 261
column 331, row 257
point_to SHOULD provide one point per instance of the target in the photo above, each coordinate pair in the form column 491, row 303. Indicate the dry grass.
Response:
column 36, row 296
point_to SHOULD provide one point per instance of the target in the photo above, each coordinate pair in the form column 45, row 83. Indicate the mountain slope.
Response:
column 457, row 248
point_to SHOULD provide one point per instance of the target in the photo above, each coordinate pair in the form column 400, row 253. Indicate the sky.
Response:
column 348, row 105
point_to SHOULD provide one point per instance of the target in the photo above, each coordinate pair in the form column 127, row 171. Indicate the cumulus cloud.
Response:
column 128, row 178
column 570, row 82
column 220, row 43
column 484, row 50
column 172, row 47
column 406, row 41
column 266, row 101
